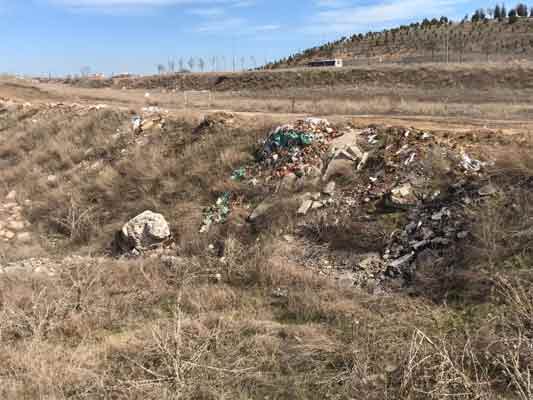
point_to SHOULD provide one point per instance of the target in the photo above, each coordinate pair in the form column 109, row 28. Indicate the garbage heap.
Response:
column 294, row 148
column 426, row 183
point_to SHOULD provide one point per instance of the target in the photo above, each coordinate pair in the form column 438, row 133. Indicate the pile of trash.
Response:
column 147, row 123
column 217, row 213
column 425, row 182
column 295, row 148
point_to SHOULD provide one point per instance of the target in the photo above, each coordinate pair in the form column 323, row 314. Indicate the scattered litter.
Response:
column 239, row 174
column 470, row 164
column 136, row 123
column 216, row 214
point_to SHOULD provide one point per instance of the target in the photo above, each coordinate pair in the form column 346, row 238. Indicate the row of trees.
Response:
column 499, row 12
column 404, row 33
column 214, row 63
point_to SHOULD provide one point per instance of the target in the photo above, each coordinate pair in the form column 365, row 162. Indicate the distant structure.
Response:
column 337, row 62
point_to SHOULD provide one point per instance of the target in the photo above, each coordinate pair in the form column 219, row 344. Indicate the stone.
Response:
column 338, row 168
column 305, row 207
column 462, row 235
column 329, row 189
column 402, row 262
column 288, row 183
column 316, row 205
column 403, row 194
column 11, row 195
column 488, row 190
column 145, row 231
column 24, row 237
column 363, row 162
column 16, row 225
column 7, row 234
column 261, row 210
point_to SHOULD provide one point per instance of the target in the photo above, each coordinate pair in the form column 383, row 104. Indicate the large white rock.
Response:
column 145, row 231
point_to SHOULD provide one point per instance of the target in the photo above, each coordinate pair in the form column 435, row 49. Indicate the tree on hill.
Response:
column 503, row 11
column 513, row 17
column 497, row 13
column 521, row 10
column 479, row 15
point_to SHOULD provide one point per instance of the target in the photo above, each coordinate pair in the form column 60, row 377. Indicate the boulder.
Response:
column 261, row 210
column 145, row 231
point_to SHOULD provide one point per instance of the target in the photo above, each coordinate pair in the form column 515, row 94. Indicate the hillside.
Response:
column 430, row 41
column 472, row 76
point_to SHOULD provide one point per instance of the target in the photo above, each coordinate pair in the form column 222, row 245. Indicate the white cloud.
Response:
column 347, row 19
column 146, row 4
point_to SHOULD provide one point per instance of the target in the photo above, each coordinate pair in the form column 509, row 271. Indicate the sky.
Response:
column 60, row 37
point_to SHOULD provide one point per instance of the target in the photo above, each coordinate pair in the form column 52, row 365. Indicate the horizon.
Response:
column 64, row 37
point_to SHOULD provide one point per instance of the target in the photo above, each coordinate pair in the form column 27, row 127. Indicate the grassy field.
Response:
column 233, row 315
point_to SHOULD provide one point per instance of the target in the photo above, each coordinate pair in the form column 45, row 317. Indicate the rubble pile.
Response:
column 295, row 148
column 399, row 172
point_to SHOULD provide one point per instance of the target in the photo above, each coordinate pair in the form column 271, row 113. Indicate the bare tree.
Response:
column 243, row 62
column 181, row 63
column 160, row 69
column 191, row 63
column 171, row 66
column 431, row 44
column 253, row 61
column 201, row 64
column 224, row 62
column 459, row 45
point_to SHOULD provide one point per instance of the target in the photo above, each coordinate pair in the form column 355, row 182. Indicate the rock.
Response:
column 317, row 205
column 11, row 195
column 462, row 235
column 261, row 210
column 24, row 237
column 51, row 179
column 402, row 262
column 16, row 225
column 288, row 183
column 403, row 194
column 488, row 190
column 7, row 234
column 145, row 231
column 305, row 207
column 363, row 162
column 338, row 168
column 441, row 214
column 329, row 189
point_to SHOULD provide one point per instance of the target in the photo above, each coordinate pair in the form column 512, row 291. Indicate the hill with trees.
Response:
column 494, row 34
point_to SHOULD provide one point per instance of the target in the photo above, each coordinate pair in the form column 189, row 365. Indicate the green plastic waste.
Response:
column 290, row 138
column 217, row 213
column 239, row 174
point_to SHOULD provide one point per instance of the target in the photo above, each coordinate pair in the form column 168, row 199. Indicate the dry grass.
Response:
column 141, row 329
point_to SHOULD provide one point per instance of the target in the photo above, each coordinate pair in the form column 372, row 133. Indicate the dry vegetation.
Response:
column 141, row 329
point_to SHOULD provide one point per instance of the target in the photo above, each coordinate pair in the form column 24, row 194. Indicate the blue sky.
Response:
column 61, row 36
